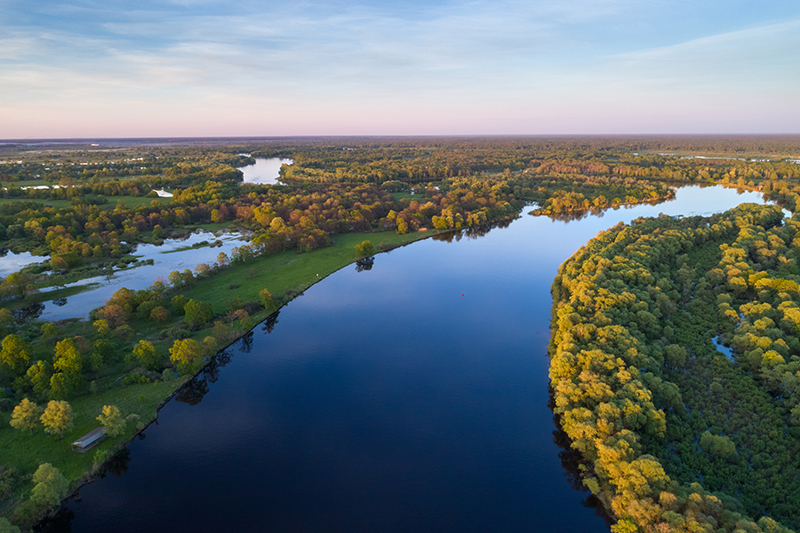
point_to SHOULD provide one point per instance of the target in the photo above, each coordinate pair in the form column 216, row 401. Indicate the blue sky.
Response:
column 210, row 68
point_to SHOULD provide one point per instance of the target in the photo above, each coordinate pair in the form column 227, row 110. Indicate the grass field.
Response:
column 25, row 452
column 288, row 271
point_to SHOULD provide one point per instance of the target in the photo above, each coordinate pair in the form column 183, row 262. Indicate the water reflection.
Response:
column 270, row 323
column 365, row 264
column 22, row 315
column 193, row 392
column 264, row 171
column 117, row 464
column 573, row 463
column 474, row 232
column 195, row 389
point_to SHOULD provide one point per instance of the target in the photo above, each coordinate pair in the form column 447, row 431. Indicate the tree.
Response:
column 67, row 358
column 365, row 249
column 39, row 374
column 50, row 486
column 26, row 415
column 15, row 352
column 402, row 226
column 266, row 298
column 198, row 313
column 147, row 355
column 178, row 303
column 57, row 416
column 7, row 527
column 49, row 330
column 113, row 421
column 159, row 314
column 114, row 314
column 6, row 318
column 18, row 284
column 185, row 353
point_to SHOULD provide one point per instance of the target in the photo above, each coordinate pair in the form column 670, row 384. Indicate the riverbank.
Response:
column 286, row 275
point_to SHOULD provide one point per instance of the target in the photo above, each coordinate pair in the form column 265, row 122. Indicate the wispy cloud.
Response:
column 368, row 67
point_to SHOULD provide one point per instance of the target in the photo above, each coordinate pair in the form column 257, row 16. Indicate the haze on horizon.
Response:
column 368, row 67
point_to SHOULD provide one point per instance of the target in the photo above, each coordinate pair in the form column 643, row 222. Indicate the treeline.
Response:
column 581, row 193
column 70, row 167
column 675, row 435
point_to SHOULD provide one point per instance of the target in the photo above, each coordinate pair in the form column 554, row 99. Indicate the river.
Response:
column 409, row 397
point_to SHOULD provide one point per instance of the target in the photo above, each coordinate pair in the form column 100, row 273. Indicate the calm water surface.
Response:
column 167, row 257
column 264, row 171
column 409, row 397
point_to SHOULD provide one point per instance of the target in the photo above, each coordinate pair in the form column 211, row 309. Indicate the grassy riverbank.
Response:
column 289, row 272
column 285, row 275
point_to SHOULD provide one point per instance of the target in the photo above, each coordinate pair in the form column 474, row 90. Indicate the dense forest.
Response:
column 635, row 310
column 677, row 435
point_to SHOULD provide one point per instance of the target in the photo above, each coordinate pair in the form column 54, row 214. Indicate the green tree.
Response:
column 49, row 330
column 67, row 358
column 198, row 313
column 7, row 527
column 57, row 417
column 39, row 375
column 59, row 386
column 50, row 486
column 147, row 355
column 26, row 416
column 15, row 353
column 185, row 354
column 113, row 421
column 18, row 284
column 178, row 303
column 365, row 249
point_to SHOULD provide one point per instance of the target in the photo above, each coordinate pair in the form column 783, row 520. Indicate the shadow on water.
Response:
column 594, row 212
column 365, row 264
column 30, row 312
column 195, row 389
column 61, row 522
column 573, row 463
column 270, row 322
column 474, row 232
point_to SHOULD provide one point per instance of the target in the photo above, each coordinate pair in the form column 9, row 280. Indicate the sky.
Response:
column 194, row 68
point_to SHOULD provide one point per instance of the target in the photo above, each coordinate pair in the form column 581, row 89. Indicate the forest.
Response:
column 677, row 434
column 634, row 311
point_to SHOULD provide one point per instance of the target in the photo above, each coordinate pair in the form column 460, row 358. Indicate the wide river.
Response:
column 409, row 397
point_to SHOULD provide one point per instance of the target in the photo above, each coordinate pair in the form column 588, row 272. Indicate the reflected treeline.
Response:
column 192, row 393
column 61, row 522
column 270, row 322
column 572, row 461
column 195, row 389
column 31, row 312
column 599, row 212
column 474, row 232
